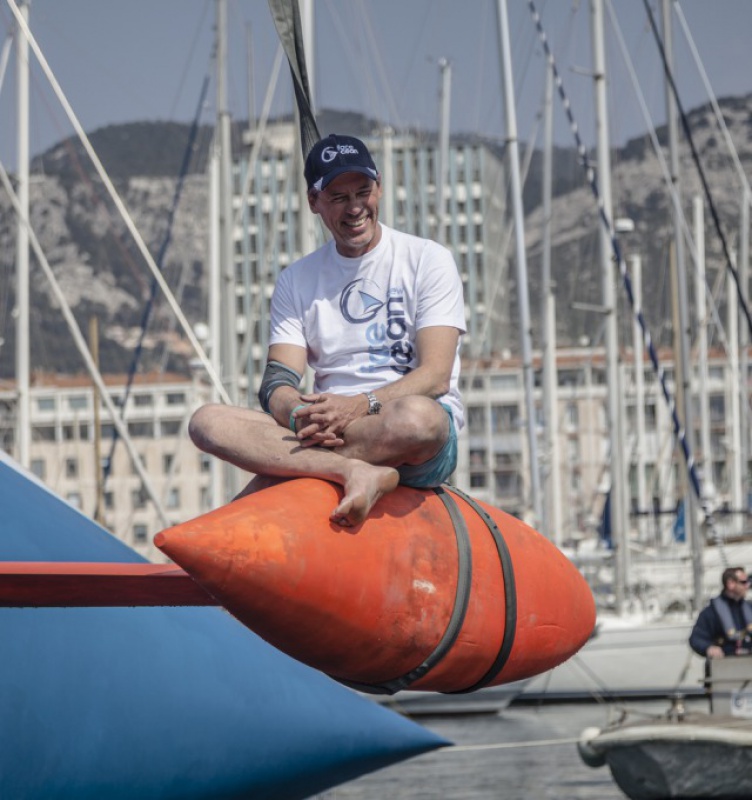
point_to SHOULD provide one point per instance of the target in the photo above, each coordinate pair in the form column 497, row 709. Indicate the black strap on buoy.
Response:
column 510, row 594
column 461, row 599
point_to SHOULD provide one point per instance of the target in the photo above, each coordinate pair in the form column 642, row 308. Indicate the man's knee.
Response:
column 203, row 425
column 419, row 419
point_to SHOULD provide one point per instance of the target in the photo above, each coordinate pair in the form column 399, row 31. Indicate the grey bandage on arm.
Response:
column 276, row 374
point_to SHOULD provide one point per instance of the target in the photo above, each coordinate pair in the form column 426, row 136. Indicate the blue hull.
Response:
column 116, row 703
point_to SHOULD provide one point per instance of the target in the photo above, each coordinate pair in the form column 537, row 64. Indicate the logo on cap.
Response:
column 330, row 153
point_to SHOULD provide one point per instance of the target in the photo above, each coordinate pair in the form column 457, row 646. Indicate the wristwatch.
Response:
column 374, row 406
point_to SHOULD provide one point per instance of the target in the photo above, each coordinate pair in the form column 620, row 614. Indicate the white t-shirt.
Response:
column 358, row 317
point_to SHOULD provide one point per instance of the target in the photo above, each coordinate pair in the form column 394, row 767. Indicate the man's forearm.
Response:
column 283, row 402
column 420, row 381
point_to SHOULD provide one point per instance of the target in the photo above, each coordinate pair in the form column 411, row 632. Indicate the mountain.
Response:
column 640, row 194
column 103, row 275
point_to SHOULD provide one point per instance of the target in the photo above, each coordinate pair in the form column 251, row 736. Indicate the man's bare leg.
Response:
column 254, row 442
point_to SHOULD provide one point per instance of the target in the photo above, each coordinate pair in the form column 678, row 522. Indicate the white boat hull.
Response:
column 701, row 756
column 631, row 661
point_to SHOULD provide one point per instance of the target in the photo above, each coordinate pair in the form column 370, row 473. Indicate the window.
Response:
column 507, row 484
column 572, row 414
column 109, row 500
column 170, row 427
column 141, row 429
column 504, row 418
column 78, row 402
column 173, row 498
column 175, row 398
column 45, row 403
column 138, row 498
column 506, row 460
column 143, row 400
column 71, row 467
column 204, row 462
column 168, row 459
column 140, row 533
column 74, row 498
column 571, row 377
column 37, row 466
column 205, row 498
column 504, row 381
column 476, row 417
column 717, row 404
column 477, row 459
column 478, row 480
column 43, row 433
column 650, row 417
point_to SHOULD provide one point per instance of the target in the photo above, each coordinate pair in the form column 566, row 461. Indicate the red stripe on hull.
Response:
column 55, row 584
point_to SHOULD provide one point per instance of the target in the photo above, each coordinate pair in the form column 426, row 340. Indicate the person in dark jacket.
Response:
column 724, row 626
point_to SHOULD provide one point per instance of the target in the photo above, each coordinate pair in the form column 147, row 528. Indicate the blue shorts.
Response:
column 436, row 470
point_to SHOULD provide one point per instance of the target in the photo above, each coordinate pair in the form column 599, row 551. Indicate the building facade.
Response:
column 68, row 455
column 493, row 466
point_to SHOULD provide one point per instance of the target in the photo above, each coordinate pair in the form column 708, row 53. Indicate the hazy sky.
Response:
column 124, row 61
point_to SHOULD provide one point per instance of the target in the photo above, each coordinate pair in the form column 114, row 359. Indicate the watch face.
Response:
column 374, row 406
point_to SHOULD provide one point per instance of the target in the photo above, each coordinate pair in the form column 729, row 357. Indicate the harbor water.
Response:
column 526, row 752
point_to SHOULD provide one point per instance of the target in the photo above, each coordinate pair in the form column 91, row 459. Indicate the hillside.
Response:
column 103, row 275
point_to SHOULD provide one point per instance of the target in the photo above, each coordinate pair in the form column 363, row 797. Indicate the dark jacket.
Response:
column 735, row 637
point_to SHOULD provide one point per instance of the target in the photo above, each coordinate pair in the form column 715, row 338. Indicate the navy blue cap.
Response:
column 335, row 155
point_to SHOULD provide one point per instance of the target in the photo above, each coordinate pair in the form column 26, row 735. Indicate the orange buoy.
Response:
column 435, row 590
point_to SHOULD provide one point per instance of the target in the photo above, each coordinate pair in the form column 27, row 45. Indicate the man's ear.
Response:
column 312, row 198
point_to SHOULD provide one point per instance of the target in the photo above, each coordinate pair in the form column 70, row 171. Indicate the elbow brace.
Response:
column 276, row 374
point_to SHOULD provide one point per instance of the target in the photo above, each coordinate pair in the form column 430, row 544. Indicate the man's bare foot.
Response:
column 364, row 486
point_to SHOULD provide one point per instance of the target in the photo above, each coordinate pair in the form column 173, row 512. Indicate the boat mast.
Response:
column 226, row 252
column 307, row 221
column 522, row 283
column 443, row 165
column 702, row 349
column 733, row 409
column 618, row 517
column 682, row 365
column 552, row 523
column 639, row 383
column 23, row 358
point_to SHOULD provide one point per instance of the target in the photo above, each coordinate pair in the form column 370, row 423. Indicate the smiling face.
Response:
column 349, row 207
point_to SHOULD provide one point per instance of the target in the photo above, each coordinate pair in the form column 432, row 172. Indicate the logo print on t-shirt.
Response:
column 358, row 305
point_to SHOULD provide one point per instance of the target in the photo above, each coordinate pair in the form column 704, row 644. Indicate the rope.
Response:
column 679, row 431
column 146, row 315
column 466, row 748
